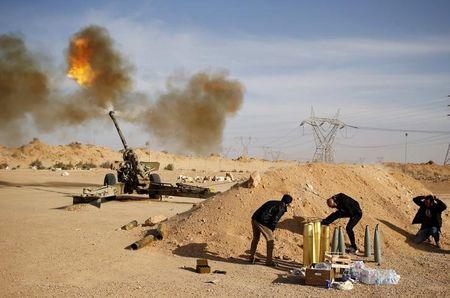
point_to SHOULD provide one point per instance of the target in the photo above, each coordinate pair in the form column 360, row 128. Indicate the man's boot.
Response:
column 269, row 260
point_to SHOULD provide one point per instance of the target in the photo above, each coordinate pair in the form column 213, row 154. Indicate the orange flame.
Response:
column 80, row 68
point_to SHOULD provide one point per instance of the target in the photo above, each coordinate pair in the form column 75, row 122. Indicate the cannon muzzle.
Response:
column 122, row 138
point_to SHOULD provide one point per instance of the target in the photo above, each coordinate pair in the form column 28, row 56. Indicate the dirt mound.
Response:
column 220, row 227
column 49, row 155
column 424, row 172
column 76, row 152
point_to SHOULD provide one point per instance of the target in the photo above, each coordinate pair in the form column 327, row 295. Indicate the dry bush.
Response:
column 106, row 165
column 169, row 167
column 38, row 164
column 85, row 165
column 63, row 166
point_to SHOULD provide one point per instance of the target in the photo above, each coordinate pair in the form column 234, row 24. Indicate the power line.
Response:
column 400, row 130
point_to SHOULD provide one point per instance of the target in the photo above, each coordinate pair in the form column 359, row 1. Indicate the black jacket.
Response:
column 346, row 205
column 435, row 219
column 270, row 213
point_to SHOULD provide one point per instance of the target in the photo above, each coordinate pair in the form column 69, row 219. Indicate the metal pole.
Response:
column 406, row 146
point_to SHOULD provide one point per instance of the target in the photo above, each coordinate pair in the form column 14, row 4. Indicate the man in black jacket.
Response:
column 264, row 221
column 429, row 216
column 346, row 207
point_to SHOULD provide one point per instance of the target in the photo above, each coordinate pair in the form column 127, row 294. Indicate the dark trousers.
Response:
column 259, row 229
column 426, row 232
column 354, row 219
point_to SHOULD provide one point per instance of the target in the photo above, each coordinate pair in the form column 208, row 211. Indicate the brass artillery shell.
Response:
column 162, row 231
column 130, row 225
column 143, row 242
column 307, row 244
column 317, row 232
column 324, row 242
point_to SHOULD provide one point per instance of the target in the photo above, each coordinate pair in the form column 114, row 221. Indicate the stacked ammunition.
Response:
column 316, row 241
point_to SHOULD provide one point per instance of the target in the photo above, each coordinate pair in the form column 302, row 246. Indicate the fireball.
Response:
column 80, row 56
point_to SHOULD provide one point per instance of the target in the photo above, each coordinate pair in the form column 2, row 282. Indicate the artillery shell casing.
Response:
column 317, row 232
column 130, row 225
column 324, row 242
column 341, row 245
column 143, row 242
column 307, row 243
column 335, row 241
column 367, row 242
column 162, row 231
column 377, row 246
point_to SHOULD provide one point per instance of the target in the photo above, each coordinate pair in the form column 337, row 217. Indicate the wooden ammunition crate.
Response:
column 318, row 277
column 338, row 260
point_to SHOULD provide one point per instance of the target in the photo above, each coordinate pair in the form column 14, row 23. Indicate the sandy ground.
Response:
column 49, row 251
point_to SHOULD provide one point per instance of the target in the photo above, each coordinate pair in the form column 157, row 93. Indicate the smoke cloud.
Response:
column 26, row 95
column 191, row 118
column 188, row 117
column 23, row 85
column 98, row 67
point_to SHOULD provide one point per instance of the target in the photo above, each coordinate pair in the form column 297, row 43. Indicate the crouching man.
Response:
column 429, row 216
column 264, row 221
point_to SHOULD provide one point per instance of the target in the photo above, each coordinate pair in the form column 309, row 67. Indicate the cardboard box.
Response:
column 318, row 277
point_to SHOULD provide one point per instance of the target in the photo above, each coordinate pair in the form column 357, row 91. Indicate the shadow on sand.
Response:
column 409, row 239
column 294, row 225
column 198, row 250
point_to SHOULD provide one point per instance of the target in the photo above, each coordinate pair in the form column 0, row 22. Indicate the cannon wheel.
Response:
column 110, row 179
column 154, row 178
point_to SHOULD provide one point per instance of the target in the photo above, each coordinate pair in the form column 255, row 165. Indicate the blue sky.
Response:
column 382, row 63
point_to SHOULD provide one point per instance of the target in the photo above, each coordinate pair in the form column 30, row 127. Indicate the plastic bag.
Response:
column 355, row 270
column 368, row 276
column 387, row 277
column 379, row 276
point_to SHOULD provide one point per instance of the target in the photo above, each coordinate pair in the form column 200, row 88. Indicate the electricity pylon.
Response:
column 324, row 131
column 447, row 156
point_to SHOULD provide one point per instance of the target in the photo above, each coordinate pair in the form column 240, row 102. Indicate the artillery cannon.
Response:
column 134, row 176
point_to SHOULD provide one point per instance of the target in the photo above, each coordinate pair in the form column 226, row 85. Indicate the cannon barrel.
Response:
column 122, row 138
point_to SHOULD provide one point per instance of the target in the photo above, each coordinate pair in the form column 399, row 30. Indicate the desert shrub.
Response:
column 63, row 166
column 85, row 165
column 169, row 167
column 38, row 164
column 106, row 165
column 3, row 165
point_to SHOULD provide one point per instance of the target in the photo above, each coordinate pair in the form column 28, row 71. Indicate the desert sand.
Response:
column 50, row 248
